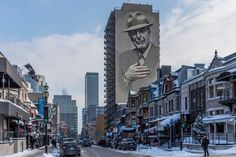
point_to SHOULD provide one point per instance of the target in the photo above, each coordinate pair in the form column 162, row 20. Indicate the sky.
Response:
column 63, row 39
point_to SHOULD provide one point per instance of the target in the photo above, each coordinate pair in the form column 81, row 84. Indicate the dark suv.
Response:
column 86, row 143
column 127, row 144
column 70, row 148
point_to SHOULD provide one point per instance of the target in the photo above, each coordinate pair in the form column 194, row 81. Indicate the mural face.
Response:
column 137, row 50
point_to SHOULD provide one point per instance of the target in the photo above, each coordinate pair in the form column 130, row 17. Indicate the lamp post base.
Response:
column 46, row 149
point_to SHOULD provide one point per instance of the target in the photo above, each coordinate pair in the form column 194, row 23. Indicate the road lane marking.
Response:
column 97, row 155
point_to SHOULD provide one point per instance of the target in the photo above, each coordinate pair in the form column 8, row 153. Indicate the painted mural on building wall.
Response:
column 137, row 50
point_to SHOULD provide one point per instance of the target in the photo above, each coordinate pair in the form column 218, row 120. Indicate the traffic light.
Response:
column 46, row 114
column 183, row 121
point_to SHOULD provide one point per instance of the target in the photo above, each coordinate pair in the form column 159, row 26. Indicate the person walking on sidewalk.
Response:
column 205, row 143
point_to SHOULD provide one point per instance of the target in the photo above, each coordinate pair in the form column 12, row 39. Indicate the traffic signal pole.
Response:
column 46, row 116
column 182, row 131
column 46, row 125
column 46, row 138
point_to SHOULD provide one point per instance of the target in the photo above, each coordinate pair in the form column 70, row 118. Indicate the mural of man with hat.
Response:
column 138, row 66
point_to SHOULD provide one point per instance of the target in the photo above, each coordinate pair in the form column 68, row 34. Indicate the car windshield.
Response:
column 70, row 144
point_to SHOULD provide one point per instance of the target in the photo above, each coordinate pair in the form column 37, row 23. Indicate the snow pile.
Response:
column 154, row 151
column 24, row 153
column 47, row 155
column 226, row 151
column 170, row 120
column 218, row 118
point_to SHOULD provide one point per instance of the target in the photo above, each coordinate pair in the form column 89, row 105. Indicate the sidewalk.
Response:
column 32, row 153
column 154, row 151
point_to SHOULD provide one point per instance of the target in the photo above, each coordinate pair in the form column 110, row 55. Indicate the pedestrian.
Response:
column 54, row 143
column 205, row 143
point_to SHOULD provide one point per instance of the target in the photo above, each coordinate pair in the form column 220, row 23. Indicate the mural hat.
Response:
column 137, row 20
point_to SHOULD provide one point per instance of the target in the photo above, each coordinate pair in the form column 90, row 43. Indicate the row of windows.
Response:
column 169, row 107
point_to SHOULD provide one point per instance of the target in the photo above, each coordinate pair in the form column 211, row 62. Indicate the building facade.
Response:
column 118, row 49
column 68, row 112
column 91, row 89
column 220, row 97
column 15, row 109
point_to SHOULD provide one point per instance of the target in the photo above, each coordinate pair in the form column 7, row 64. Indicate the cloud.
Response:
column 63, row 59
column 194, row 29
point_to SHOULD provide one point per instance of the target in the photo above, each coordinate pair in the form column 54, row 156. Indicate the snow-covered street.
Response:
column 142, row 151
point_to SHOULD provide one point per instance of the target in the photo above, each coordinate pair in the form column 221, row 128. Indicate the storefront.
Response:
column 13, row 120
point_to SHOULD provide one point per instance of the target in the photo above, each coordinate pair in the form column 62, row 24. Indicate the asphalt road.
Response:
column 95, row 151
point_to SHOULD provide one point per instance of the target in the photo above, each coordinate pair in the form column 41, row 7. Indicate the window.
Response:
column 172, row 105
column 169, row 106
column 145, row 98
column 151, row 111
column 219, row 112
column 211, row 92
column 219, row 89
column 211, row 112
column 159, row 109
column 166, row 108
column 202, row 93
column 186, row 103
column 211, row 81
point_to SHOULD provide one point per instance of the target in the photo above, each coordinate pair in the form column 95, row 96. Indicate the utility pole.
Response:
column 46, row 116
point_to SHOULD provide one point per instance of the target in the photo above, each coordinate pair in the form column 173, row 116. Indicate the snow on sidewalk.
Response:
column 154, row 151
column 54, row 153
column 24, row 153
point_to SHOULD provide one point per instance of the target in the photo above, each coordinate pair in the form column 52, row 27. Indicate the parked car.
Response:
column 70, row 148
column 66, row 140
column 102, row 142
column 86, row 143
column 115, row 142
column 127, row 144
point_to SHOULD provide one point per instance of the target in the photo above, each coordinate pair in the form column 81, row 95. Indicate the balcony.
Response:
column 228, row 97
column 143, row 105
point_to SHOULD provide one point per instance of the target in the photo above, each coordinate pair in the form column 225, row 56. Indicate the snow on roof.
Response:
column 217, row 68
column 153, row 85
column 157, row 119
column 232, row 70
column 176, row 83
column 218, row 118
column 170, row 120
column 132, row 92
column 226, row 61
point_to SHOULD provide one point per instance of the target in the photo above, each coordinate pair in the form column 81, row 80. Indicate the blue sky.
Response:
column 27, row 19
column 63, row 39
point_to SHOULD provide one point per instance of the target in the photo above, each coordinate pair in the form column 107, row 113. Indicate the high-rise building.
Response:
column 37, row 86
column 68, row 112
column 123, row 53
column 91, row 89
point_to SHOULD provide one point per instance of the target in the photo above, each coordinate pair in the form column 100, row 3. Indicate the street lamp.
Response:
column 46, row 95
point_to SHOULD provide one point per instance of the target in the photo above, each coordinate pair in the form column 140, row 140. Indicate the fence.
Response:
column 214, row 138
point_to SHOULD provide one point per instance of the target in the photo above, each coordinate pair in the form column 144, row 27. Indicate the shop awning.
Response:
column 157, row 119
column 125, row 129
column 10, row 109
column 218, row 118
column 170, row 120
